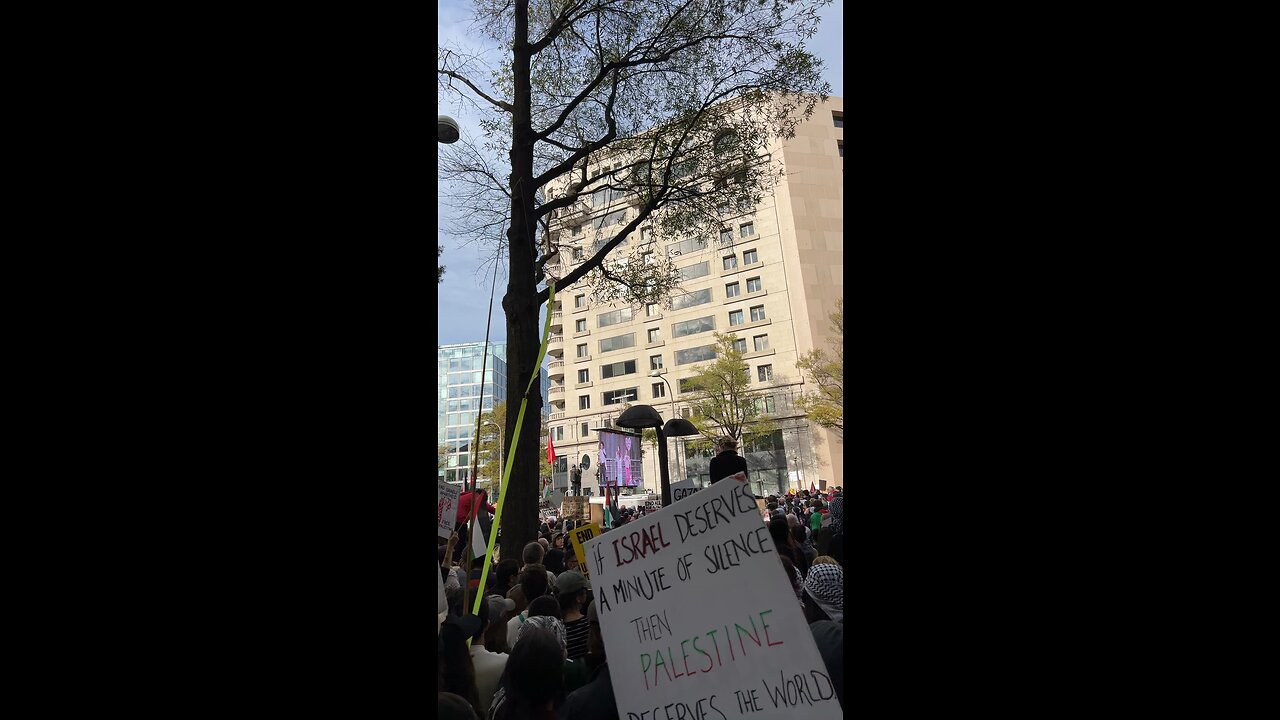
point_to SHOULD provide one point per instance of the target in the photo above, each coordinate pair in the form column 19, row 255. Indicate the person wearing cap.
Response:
column 727, row 462
column 571, row 593
column 488, row 664
column 593, row 701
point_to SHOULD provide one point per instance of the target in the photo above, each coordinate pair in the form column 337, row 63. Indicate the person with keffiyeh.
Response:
column 835, row 548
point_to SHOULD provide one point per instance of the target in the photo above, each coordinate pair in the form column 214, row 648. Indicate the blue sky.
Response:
column 464, row 294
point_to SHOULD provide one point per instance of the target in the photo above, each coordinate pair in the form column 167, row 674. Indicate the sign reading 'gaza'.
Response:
column 699, row 618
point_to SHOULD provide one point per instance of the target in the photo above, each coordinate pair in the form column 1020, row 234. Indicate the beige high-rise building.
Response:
column 772, row 277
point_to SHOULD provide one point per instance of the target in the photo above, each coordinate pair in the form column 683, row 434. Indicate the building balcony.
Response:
column 555, row 390
column 555, row 369
column 557, row 319
column 556, row 416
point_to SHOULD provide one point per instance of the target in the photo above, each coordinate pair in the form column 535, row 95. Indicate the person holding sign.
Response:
column 727, row 462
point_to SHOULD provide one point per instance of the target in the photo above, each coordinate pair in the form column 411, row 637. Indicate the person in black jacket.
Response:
column 727, row 462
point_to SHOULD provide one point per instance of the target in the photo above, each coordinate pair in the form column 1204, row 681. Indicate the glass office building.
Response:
column 463, row 391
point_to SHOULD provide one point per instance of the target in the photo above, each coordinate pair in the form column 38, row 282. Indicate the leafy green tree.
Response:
column 723, row 400
column 668, row 106
column 825, row 370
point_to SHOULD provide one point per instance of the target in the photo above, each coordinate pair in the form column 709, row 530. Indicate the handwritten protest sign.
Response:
column 574, row 507
column 682, row 489
column 699, row 619
column 447, row 509
column 579, row 537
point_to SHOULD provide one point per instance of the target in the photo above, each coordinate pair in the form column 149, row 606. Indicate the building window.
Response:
column 616, row 217
column 647, row 258
column 726, row 235
column 740, row 345
column 735, row 318
column 757, row 313
column 698, row 354
column 688, row 300
column 693, row 327
column 747, row 230
column 584, row 402
column 764, row 372
column 732, row 290
column 580, row 325
column 655, row 335
column 646, row 234
column 577, row 255
column 730, row 262
column 723, row 209
column 617, row 342
column 761, row 342
column 659, row 390
column 617, row 397
column 696, row 271
column 685, row 385
column 655, row 362
column 583, row 430
column 584, row 375
column 613, row 318
column 726, row 142
column 744, row 204
column 559, row 433
column 764, row 405
column 837, row 118
column 650, row 310
column 750, row 257
column 840, row 147
column 753, row 285
column 582, row 350
column 576, row 230
column 579, row 301
column 626, row 367
column 684, row 413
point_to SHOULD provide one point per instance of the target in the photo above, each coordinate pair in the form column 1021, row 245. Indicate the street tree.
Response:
column 825, row 370
column 723, row 401
column 666, row 108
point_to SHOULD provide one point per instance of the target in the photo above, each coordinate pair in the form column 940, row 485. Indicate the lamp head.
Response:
column 447, row 131
column 679, row 427
column 638, row 417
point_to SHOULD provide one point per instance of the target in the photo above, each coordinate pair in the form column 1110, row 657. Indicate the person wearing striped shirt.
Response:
column 571, row 593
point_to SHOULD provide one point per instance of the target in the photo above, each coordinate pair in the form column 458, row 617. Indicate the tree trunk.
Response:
column 520, row 510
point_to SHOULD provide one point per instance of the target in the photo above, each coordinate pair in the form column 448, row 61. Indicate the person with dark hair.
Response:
column 545, row 606
column 571, row 593
column 557, row 541
column 452, row 707
column 503, row 577
column 457, row 674
column 835, row 546
column 593, row 701
column 793, row 576
column 727, row 462
column 533, row 684
column 801, row 538
column 487, row 663
column 786, row 545
column 533, row 585
column 554, row 561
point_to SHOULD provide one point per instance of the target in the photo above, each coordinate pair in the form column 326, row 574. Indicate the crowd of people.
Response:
column 536, row 651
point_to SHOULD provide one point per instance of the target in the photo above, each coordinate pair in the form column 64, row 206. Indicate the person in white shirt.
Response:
column 489, row 665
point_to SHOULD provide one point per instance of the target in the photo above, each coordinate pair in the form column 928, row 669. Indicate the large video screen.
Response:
column 620, row 464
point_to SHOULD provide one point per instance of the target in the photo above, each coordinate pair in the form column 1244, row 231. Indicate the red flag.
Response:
column 551, row 451
column 813, row 488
